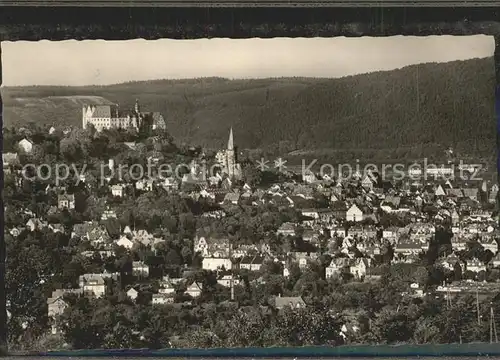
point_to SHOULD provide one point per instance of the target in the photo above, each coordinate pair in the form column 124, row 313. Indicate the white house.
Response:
column 354, row 214
column 26, row 145
column 440, row 191
column 194, row 290
column 213, row 263
column 140, row 269
column 162, row 299
column 117, row 190
column 93, row 283
column 125, row 242
column 132, row 293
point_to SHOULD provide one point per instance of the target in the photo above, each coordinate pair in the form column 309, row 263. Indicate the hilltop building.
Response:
column 109, row 117
column 228, row 160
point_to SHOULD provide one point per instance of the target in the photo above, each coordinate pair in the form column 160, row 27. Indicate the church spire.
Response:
column 230, row 145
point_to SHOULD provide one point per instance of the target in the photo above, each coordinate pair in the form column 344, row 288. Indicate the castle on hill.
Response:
column 110, row 117
column 228, row 159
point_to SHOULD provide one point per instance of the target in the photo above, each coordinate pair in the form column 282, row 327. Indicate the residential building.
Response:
column 212, row 263
column 132, row 293
column 140, row 269
column 66, row 201
column 252, row 263
column 93, row 283
column 117, row 190
column 354, row 214
column 26, row 146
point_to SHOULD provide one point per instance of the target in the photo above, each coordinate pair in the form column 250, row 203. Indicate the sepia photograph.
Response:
column 236, row 193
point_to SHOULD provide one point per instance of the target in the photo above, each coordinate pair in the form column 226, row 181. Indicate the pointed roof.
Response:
column 230, row 144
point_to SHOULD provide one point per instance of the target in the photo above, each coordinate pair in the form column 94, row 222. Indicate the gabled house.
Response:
column 359, row 266
column 98, row 235
column 117, row 190
column 25, row 146
column 140, row 269
column 132, row 293
column 252, row 263
column 36, row 224
column 440, row 191
column 211, row 247
column 194, row 290
column 125, row 242
column 489, row 243
column 66, row 201
column 55, row 308
column 354, row 214
column 93, row 283
column 336, row 266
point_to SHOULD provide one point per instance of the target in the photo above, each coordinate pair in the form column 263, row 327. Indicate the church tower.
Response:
column 137, row 121
column 227, row 158
column 230, row 143
column 232, row 166
column 230, row 155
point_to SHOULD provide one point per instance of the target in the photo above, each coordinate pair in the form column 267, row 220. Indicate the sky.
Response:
column 101, row 62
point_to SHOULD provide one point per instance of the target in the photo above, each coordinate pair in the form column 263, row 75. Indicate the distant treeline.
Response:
column 404, row 113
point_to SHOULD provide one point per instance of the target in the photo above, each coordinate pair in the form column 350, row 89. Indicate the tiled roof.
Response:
column 103, row 111
column 69, row 197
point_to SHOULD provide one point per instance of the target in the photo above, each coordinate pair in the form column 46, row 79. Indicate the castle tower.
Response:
column 137, row 108
column 84, row 117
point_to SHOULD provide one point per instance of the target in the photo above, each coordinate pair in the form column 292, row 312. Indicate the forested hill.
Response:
column 412, row 109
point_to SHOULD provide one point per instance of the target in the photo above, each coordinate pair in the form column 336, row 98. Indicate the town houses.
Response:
column 168, row 240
